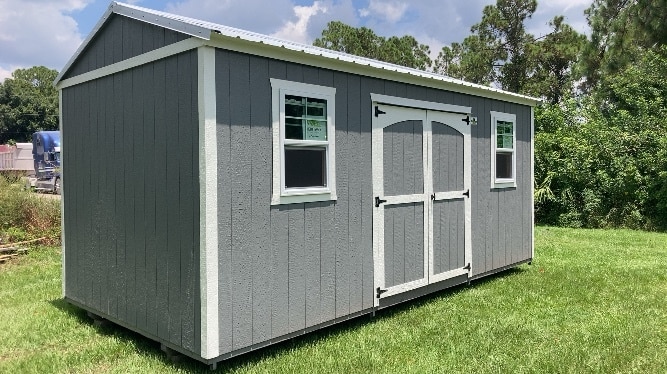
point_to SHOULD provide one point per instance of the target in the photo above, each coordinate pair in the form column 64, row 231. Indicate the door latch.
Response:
column 379, row 201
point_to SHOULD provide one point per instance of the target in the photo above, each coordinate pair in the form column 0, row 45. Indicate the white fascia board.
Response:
column 356, row 65
column 145, row 58
column 420, row 104
column 208, row 200
column 532, row 182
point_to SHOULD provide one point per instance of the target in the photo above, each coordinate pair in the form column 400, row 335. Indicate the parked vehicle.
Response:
column 46, row 157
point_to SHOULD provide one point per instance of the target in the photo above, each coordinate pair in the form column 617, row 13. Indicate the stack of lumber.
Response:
column 11, row 250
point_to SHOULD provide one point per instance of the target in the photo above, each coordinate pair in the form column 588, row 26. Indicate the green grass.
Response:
column 593, row 301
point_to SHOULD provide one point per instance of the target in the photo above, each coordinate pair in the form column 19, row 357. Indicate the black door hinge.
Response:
column 467, row 193
column 379, row 201
column 467, row 267
column 433, row 196
column 379, row 291
column 378, row 111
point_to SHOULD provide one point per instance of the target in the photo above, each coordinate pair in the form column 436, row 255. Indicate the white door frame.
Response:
column 404, row 110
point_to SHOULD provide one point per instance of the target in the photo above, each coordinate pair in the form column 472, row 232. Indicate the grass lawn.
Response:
column 593, row 301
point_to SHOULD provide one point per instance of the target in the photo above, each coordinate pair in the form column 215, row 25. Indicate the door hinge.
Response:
column 432, row 196
column 470, row 120
column 379, row 201
column 378, row 111
column 467, row 267
column 379, row 291
column 467, row 193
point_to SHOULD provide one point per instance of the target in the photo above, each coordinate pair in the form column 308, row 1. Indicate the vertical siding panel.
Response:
column 261, row 140
column 241, row 173
column 163, row 179
column 131, row 248
column 313, row 234
column 222, row 76
column 187, row 128
column 524, row 242
column 173, row 203
column 279, row 247
column 139, row 89
column 354, row 192
column 92, row 207
column 342, row 205
column 136, row 37
column 327, row 254
column 280, row 287
column 297, row 278
column 120, row 202
column 152, row 161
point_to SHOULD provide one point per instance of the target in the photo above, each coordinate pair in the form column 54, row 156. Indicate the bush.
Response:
column 25, row 215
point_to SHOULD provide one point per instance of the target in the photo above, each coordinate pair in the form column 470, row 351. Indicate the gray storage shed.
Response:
column 225, row 190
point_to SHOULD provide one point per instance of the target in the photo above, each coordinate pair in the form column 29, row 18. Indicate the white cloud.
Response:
column 5, row 73
column 390, row 11
column 34, row 32
column 298, row 31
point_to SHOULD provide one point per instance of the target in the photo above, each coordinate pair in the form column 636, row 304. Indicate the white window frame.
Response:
column 502, row 182
column 281, row 194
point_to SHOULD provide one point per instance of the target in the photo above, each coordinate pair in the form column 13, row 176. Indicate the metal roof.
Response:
column 202, row 29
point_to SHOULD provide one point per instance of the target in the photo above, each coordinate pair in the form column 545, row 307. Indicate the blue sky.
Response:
column 48, row 32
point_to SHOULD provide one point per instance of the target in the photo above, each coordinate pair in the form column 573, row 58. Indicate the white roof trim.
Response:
column 202, row 29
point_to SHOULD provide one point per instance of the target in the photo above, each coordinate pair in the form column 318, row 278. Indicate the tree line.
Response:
column 601, row 133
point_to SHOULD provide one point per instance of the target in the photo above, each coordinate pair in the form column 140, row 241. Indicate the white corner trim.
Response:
column 279, row 195
column 208, row 199
column 510, row 182
column 62, row 190
column 154, row 55
column 420, row 104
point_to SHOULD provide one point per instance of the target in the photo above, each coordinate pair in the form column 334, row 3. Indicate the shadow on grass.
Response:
column 151, row 348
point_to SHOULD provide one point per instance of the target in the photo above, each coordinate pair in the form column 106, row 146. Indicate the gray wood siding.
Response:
column 119, row 39
column 403, row 158
column 403, row 243
column 285, row 268
column 447, row 158
column 448, row 235
column 131, row 198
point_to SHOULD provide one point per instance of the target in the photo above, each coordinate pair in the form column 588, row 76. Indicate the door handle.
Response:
column 379, row 201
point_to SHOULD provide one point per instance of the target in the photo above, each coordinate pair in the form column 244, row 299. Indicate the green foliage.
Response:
column 405, row 50
column 606, row 165
column 25, row 215
column 28, row 103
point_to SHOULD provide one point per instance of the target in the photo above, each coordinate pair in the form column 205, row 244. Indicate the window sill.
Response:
column 504, row 184
column 303, row 198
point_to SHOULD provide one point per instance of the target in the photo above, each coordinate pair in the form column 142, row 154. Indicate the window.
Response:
column 303, row 142
column 503, row 150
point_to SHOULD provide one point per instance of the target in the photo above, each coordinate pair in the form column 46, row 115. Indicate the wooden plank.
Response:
column 312, row 251
column 297, row 273
column 138, row 179
column 389, row 213
column 280, row 270
column 129, row 123
column 355, row 171
column 342, row 205
column 188, row 195
column 162, row 180
column 241, row 174
column 261, row 140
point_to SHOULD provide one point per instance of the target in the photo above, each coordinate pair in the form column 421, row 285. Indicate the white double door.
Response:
column 421, row 186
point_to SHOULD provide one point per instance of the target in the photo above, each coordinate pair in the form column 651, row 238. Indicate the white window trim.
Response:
column 502, row 182
column 281, row 195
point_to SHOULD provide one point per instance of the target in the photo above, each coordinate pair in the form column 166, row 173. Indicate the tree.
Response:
column 405, row 50
column 471, row 61
column 553, row 59
column 28, row 103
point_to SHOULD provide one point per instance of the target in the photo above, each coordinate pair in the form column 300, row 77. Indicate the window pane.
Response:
column 305, row 167
column 293, row 128
column 504, row 165
column 292, row 110
column 316, row 130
